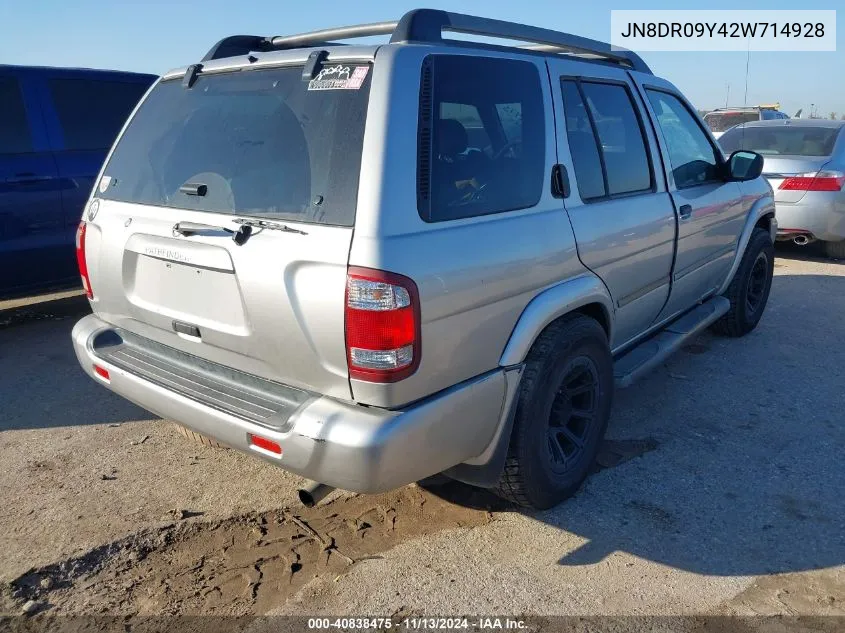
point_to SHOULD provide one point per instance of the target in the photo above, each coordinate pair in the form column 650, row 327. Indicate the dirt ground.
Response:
column 721, row 490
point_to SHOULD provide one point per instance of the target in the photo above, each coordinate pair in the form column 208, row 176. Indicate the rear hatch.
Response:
column 788, row 151
column 192, row 166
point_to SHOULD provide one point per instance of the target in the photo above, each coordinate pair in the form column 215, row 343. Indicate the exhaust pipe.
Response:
column 313, row 493
column 801, row 240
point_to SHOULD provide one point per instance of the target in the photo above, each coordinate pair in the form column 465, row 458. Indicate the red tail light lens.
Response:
column 80, row 259
column 814, row 181
column 382, row 325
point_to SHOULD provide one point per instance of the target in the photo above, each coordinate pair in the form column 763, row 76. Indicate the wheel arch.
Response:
column 585, row 294
column 761, row 215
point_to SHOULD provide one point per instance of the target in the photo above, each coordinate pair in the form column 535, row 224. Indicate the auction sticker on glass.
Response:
column 339, row 77
column 745, row 30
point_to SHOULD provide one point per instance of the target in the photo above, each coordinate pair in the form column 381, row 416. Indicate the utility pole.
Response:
column 728, row 94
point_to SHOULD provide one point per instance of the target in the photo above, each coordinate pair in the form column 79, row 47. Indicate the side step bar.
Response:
column 641, row 359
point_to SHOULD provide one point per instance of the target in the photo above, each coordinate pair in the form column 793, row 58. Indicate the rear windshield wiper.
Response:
column 264, row 224
column 240, row 236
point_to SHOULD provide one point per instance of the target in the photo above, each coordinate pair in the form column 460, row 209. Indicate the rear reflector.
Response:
column 382, row 325
column 814, row 181
column 265, row 444
column 102, row 372
column 80, row 259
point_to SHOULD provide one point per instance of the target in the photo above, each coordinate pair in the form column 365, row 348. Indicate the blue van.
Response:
column 56, row 126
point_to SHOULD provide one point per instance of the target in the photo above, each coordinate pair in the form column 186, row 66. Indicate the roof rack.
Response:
column 428, row 25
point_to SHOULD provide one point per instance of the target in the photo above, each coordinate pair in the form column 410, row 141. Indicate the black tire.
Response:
column 199, row 438
column 537, row 472
column 749, row 290
column 834, row 250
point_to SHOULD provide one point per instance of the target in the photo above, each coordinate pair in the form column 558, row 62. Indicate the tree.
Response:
column 842, row 117
column 833, row 115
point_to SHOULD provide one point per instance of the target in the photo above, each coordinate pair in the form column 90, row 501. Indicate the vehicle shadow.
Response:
column 809, row 253
column 746, row 476
column 41, row 383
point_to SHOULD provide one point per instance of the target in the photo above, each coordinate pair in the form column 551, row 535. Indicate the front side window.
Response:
column 92, row 111
column 263, row 142
column 481, row 137
column 15, row 137
column 692, row 157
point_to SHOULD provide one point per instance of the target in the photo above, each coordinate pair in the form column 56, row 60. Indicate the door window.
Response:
column 692, row 157
column 91, row 111
column 606, row 140
column 15, row 137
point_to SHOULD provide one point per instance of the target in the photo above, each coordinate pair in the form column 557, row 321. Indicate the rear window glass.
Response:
column 263, row 142
column 92, row 111
column 721, row 121
column 485, row 148
column 798, row 140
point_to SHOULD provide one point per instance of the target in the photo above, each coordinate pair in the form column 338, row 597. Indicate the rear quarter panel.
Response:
column 476, row 275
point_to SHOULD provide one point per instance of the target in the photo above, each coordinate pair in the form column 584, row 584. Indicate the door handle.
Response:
column 27, row 177
column 686, row 211
column 560, row 181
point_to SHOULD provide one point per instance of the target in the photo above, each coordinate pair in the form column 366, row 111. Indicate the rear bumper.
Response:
column 820, row 215
column 358, row 448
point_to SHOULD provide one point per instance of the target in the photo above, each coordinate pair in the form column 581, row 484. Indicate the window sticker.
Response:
column 339, row 77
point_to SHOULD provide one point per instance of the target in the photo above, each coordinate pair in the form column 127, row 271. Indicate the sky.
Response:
column 157, row 35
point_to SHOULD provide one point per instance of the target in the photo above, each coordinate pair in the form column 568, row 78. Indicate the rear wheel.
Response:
column 834, row 250
column 749, row 290
column 562, row 413
column 198, row 437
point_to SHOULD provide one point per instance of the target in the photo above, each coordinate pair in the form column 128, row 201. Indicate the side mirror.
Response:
column 744, row 165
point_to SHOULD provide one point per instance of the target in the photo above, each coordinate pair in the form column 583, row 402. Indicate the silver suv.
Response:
column 371, row 264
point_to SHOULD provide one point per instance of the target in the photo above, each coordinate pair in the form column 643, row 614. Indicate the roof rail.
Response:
column 428, row 25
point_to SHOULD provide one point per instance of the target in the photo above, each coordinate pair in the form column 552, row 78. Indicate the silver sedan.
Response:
column 804, row 161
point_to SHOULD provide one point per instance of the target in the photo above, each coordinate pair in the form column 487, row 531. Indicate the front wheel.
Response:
column 749, row 290
column 561, row 415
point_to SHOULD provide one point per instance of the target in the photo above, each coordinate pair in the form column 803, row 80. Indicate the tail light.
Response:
column 814, row 181
column 382, row 325
column 80, row 259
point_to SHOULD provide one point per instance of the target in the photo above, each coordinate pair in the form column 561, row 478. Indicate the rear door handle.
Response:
column 27, row 178
column 686, row 211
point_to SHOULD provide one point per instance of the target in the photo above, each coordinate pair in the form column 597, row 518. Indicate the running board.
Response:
column 640, row 360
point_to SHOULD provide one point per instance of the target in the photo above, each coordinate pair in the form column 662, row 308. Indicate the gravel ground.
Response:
column 738, row 508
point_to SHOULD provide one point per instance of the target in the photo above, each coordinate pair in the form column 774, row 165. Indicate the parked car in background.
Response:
column 56, row 125
column 391, row 261
column 722, row 119
column 804, row 160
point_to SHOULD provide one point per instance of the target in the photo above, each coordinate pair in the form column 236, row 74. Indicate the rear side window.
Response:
column 582, row 144
column 15, row 136
column 92, row 111
column 786, row 140
column 693, row 158
column 606, row 131
column 481, row 137
column 263, row 142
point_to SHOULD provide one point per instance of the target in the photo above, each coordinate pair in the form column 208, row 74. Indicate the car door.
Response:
column 84, row 112
column 32, row 243
column 711, row 211
column 621, row 214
